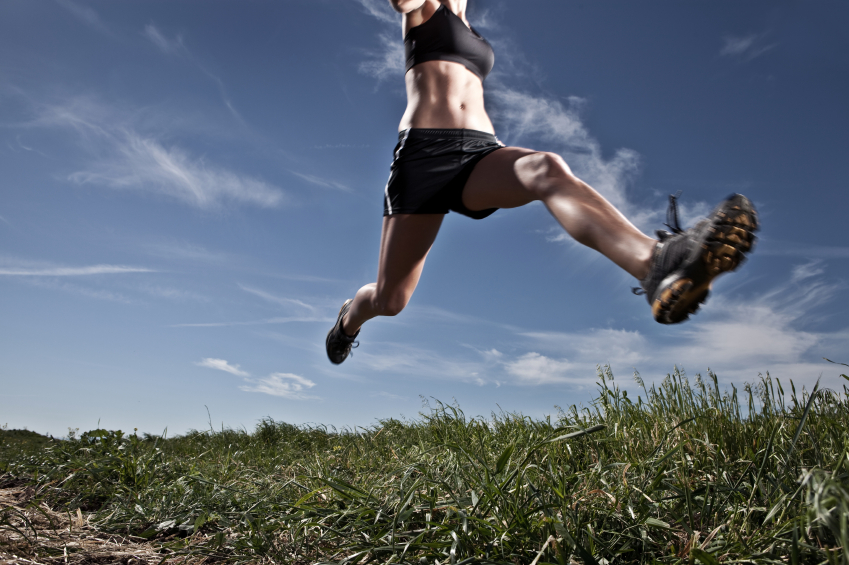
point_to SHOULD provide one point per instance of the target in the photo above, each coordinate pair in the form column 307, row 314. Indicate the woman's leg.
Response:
column 404, row 245
column 513, row 176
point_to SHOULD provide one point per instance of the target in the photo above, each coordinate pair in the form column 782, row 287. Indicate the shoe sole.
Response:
column 729, row 238
column 338, row 322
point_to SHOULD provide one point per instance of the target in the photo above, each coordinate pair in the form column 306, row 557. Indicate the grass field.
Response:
column 682, row 473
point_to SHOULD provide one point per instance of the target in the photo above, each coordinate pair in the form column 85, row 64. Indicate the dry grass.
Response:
column 36, row 533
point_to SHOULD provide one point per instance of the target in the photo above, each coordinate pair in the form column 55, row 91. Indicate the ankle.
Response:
column 344, row 332
column 645, row 267
column 645, row 261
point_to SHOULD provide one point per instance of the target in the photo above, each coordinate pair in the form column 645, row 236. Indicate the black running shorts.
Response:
column 430, row 170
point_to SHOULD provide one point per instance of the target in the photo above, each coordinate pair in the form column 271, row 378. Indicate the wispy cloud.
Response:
column 312, row 314
column 168, row 46
column 21, row 145
column 222, row 91
column 324, row 183
column 342, row 146
column 174, row 294
column 222, row 365
column 145, row 164
column 427, row 313
column 86, row 15
column 54, row 276
column 185, row 251
column 487, row 18
column 57, row 271
column 178, row 48
column 387, row 60
column 284, row 385
column 389, row 396
column 745, row 47
column 123, row 158
column 411, row 361
column 788, row 248
column 277, row 299
column 308, row 278
column 266, row 321
column 380, row 10
column 62, row 285
column 808, row 270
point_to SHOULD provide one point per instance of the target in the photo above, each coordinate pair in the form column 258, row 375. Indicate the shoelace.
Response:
column 353, row 342
column 354, row 345
column 672, row 223
column 672, row 213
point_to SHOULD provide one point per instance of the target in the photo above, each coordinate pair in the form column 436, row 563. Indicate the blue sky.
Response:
column 191, row 190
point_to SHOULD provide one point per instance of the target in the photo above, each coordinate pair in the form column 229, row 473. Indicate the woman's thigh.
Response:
column 404, row 245
column 502, row 179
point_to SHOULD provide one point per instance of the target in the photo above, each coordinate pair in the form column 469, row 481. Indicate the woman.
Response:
column 448, row 158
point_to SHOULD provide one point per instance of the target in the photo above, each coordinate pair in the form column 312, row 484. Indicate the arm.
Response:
column 406, row 6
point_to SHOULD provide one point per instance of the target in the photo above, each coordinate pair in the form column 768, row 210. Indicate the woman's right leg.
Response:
column 404, row 244
column 513, row 176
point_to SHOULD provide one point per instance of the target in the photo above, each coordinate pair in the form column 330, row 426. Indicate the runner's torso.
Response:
column 446, row 61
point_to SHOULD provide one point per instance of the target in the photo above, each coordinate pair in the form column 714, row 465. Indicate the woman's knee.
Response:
column 544, row 173
column 390, row 303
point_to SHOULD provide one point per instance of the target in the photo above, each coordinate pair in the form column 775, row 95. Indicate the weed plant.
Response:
column 681, row 474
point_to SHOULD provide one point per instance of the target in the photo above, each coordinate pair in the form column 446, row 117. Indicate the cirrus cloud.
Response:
column 284, row 385
column 222, row 365
column 72, row 271
column 746, row 47
column 122, row 156
column 175, row 46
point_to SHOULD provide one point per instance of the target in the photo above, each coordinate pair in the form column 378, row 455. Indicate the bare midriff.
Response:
column 444, row 95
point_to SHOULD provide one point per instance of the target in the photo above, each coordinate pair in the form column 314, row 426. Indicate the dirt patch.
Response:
column 31, row 532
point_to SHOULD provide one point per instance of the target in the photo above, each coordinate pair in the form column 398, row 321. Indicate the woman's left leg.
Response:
column 405, row 242
column 404, row 245
column 513, row 176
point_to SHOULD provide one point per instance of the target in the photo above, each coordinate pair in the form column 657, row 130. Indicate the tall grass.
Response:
column 681, row 473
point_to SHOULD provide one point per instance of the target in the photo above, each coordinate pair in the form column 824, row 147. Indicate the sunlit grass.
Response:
column 681, row 473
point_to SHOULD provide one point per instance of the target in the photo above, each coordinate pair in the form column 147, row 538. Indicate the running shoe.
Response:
column 686, row 262
column 339, row 344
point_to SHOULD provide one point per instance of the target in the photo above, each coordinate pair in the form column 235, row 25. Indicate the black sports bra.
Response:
column 445, row 37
